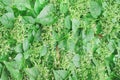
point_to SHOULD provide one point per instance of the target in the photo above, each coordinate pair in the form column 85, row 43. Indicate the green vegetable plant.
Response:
column 59, row 39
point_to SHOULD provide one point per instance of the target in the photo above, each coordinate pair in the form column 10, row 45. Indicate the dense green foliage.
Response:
column 59, row 39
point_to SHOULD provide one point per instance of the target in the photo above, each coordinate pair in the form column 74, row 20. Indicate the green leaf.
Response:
column 75, row 26
column 76, row 60
column 88, row 35
column 99, row 28
column 18, row 48
column 20, row 61
column 12, row 42
column 96, row 44
column 9, row 9
column 39, row 4
column 88, row 18
column 62, row 44
column 47, row 15
column 37, row 35
column 1, row 68
column 1, row 6
column 68, row 23
column 72, row 1
column 43, row 51
column 111, row 46
column 27, row 54
column 4, row 57
column 32, row 73
column 63, row 8
column 29, row 19
column 71, row 45
column 7, row 2
column 30, row 37
column 8, row 20
column 95, row 9
column 60, row 74
column 26, row 45
column 12, row 68
column 22, row 4
column 117, row 1
column 4, row 75
column 55, row 35
column 74, row 76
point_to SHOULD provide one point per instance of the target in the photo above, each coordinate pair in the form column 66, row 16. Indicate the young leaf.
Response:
column 26, row 45
column 68, row 23
column 63, row 8
column 60, row 74
column 27, row 54
column 39, row 4
column 8, row 20
column 29, row 19
column 19, row 61
column 32, row 73
column 95, row 9
column 18, row 48
column 62, row 44
column 43, row 51
column 37, row 35
column 12, row 68
column 76, row 60
column 75, row 26
column 111, row 46
column 71, row 45
column 46, row 16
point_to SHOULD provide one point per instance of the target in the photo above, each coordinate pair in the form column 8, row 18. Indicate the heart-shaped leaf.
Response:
column 8, row 20
column 32, row 73
column 95, row 9
column 60, row 74
column 47, row 15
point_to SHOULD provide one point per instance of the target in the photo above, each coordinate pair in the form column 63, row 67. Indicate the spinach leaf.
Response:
column 32, row 73
column 60, row 74
column 39, row 5
column 8, row 20
column 95, row 9
column 47, row 15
